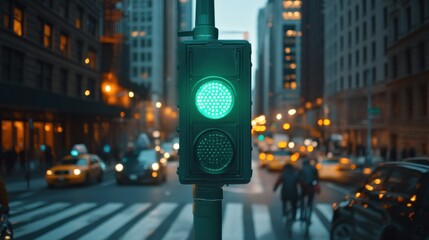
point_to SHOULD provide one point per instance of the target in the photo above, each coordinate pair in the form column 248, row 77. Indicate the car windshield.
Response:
column 145, row 156
column 330, row 161
column 74, row 161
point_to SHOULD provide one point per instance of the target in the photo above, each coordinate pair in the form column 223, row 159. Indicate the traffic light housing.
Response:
column 214, row 111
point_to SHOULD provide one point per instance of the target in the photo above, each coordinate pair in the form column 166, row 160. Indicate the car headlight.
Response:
column 155, row 166
column 76, row 171
column 49, row 172
column 119, row 167
column 166, row 155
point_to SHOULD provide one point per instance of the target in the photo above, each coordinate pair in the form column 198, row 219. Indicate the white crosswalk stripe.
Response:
column 148, row 224
column 106, row 229
column 232, row 226
column 81, row 222
column 84, row 221
column 182, row 226
column 23, row 208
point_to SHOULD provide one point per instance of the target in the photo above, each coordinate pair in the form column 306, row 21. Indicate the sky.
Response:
column 240, row 16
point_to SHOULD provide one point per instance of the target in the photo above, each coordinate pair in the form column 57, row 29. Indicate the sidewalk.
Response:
column 17, row 182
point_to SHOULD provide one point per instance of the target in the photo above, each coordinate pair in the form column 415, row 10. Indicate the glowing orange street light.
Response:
column 286, row 126
column 326, row 122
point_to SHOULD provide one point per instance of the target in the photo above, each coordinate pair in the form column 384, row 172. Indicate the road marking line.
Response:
column 45, row 222
column 232, row 227
column 81, row 222
column 38, row 212
column 326, row 210
column 27, row 207
column 15, row 203
column 182, row 225
column 262, row 222
column 106, row 229
column 148, row 224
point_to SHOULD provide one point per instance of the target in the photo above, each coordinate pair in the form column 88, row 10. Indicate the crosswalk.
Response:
column 163, row 220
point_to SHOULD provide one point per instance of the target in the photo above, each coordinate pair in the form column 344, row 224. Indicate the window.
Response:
column 134, row 56
column 91, row 26
column 341, row 23
column 357, row 35
column 341, row 83
column 92, row 56
column 47, row 35
column 64, row 8
column 408, row 16
column 386, row 70
column 373, row 26
column 64, row 44
column 363, row 7
column 78, row 88
column 357, row 12
column 44, row 75
column 374, row 75
column 63, row 81
column 373, row 50
column 385, row 17
column 394, row 66
column 422, row 58
column 422, row 7
column 13, row 63
column 364, row 31
column 357, row 58
column 410, row 101
column 357, row 80
column 350, row 39
column 79, row 51
column 403, row 182
column 395, row 28
column 408, row 60
column 350, row 81
column 350, row 61
column 18, row 21
column 341, row 43
column 349, row 18
column 424, row 98
column 5, row 14
column 341, row 63
column 92, row 88
column 364, row 54
column 79, row 17
column 395, row 107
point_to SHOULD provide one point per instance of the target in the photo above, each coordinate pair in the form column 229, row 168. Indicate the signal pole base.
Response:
column 207, row 211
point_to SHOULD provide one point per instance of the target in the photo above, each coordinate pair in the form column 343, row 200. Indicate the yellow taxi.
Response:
column 265, row 157
column 280, row 158
column 76, row 169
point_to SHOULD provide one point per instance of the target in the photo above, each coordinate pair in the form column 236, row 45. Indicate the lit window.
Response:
column 64, row 44
column 18, row 15
column 47, row 35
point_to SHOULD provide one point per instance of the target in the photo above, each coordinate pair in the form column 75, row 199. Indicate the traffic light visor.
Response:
column 214, row 98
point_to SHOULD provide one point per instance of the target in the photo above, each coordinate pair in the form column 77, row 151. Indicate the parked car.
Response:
column 76, row 169
column 392, row 204
column 419, row 160
column 141, row 167
column 334, row 168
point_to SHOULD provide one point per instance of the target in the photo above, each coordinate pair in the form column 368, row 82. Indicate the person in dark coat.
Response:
column 289, row 180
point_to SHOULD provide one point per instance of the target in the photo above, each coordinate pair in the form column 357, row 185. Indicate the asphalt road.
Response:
column 108, row 211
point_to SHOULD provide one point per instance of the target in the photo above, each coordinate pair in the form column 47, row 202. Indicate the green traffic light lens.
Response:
column 214, row 99
column 214, row 151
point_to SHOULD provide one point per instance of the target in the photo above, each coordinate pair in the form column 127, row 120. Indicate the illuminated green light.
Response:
column 214, row 99
column 214, row 151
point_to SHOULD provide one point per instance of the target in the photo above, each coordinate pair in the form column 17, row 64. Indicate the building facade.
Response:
column 362, row 75
column 279, row 35
column 50, row 81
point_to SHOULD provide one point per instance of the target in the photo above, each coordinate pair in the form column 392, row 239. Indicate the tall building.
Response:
column 50, row 85
column 279, row 49
column 150, row 29
column 375, row 70
column 407, row 86
column 312, row 58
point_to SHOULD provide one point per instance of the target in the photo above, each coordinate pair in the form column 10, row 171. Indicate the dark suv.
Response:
column 392, row 204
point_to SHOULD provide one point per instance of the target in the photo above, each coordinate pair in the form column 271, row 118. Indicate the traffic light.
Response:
column 214, row 111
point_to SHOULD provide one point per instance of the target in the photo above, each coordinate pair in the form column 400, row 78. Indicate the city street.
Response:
column 108, row 211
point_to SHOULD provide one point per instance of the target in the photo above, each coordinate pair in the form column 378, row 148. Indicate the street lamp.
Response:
column 279, row 116
column 292, row 112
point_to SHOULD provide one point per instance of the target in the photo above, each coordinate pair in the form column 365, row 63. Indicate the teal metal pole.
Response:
column 208, row 212
column 205, row 21
column 207, row 197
